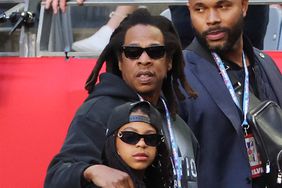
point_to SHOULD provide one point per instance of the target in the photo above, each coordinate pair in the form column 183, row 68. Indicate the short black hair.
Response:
column 112, row 53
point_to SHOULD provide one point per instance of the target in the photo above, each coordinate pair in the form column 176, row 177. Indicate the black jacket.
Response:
column 86, row 136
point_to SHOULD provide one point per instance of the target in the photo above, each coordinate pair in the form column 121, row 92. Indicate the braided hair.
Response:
column 112, row 53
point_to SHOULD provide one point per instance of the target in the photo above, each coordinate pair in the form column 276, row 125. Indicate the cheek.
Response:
column 126, row 67
column 152, row 151
column 162, row 70
column 196, row 21
column 123, row 150
column 120, row 146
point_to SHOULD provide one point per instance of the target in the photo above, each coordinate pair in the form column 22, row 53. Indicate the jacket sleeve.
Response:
column 82, row 148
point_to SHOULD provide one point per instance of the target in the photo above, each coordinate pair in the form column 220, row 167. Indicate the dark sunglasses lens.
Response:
column 152, row 139
column 156, row 52
column 132, row 52
column 133, row 138
column 130, row 137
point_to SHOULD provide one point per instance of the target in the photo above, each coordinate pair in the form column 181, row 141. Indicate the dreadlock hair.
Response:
column 112, row 53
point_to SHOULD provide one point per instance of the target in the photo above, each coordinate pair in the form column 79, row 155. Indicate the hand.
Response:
column 59, row 4
column 104, row 176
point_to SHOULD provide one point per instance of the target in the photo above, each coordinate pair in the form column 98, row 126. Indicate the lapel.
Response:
column 204, row 68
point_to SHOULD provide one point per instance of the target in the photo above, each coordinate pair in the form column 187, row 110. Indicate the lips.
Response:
column 144, row 76
column 214, row 35
column 140, row 157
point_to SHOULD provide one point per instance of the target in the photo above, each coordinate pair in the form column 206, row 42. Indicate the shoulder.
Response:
column 263, row 58
column 98, row 108
column 267, row 63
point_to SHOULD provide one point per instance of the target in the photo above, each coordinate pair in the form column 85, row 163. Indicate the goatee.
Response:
column 233, row 34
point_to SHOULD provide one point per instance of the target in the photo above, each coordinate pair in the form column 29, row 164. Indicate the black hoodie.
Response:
column 87, row 134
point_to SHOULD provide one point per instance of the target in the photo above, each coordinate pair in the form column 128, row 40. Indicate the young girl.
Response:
column 136, row 145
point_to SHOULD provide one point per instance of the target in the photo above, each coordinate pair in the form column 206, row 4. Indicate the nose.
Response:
column 141, row 143
column 213, row 17
column 144, row 59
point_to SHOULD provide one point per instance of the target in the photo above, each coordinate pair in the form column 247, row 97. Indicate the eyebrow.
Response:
column 223, row 1
column 138, row 45
column 217, row 3
column 151, row 131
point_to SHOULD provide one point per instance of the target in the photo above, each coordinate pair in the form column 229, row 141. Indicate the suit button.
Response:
column 249, row 180
column 261, row 55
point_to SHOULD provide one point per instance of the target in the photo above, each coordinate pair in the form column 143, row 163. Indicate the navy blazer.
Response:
column 216, row 120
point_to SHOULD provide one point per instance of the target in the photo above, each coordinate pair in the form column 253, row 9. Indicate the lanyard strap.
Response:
column 245, row 105
column 176, row 160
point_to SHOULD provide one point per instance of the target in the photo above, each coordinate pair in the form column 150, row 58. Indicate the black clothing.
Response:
column 87, row 133
column 256, row 22
column 264, row 90
column 180, row 16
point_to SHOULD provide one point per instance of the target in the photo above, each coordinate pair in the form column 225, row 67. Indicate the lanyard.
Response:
column 176, row 160
column 177, row 165
column 245, row 105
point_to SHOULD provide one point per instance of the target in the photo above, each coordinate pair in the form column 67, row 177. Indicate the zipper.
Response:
column 279, row 175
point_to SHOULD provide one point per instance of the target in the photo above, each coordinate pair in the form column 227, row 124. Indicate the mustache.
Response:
column 215, row 30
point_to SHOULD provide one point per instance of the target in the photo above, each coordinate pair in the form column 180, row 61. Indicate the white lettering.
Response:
column 193, row 168
column 257, row 171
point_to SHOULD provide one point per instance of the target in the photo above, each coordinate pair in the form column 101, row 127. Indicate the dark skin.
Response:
column 216, row 22
column 145, row 75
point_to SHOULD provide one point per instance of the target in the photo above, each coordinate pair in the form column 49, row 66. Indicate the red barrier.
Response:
column 277, row 56
column 38, row 98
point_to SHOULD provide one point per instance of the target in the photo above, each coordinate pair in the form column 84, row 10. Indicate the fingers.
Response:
column 106, row 177
column 80, row 2
column 123, row 181
column 56, row 4
column 130, row 183
column 48, row 3
column 63, row 5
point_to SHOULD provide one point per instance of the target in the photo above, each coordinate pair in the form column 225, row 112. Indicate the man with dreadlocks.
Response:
column 143, row 62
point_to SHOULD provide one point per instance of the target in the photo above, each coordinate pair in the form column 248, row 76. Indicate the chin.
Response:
column 216, row 45
column 140, row 166
column 147, row 91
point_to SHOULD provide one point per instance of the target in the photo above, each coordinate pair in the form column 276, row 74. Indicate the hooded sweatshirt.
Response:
column 87, row 134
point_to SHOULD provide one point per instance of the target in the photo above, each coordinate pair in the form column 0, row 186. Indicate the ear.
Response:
column 188, row 5
column 169, row 65
column 245, row 4
column 119, row 66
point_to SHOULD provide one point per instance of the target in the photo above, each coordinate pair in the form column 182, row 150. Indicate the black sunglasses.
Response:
column 134, row 52
column 133, row 138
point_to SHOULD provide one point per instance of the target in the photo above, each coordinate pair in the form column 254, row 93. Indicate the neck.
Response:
column 152, row 98
column 235, row 54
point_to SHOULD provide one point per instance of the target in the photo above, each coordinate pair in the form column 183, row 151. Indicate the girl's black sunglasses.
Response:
column 134, row 52
column 133, row 138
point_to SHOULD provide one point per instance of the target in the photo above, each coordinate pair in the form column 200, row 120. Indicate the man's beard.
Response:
column 233, row 35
